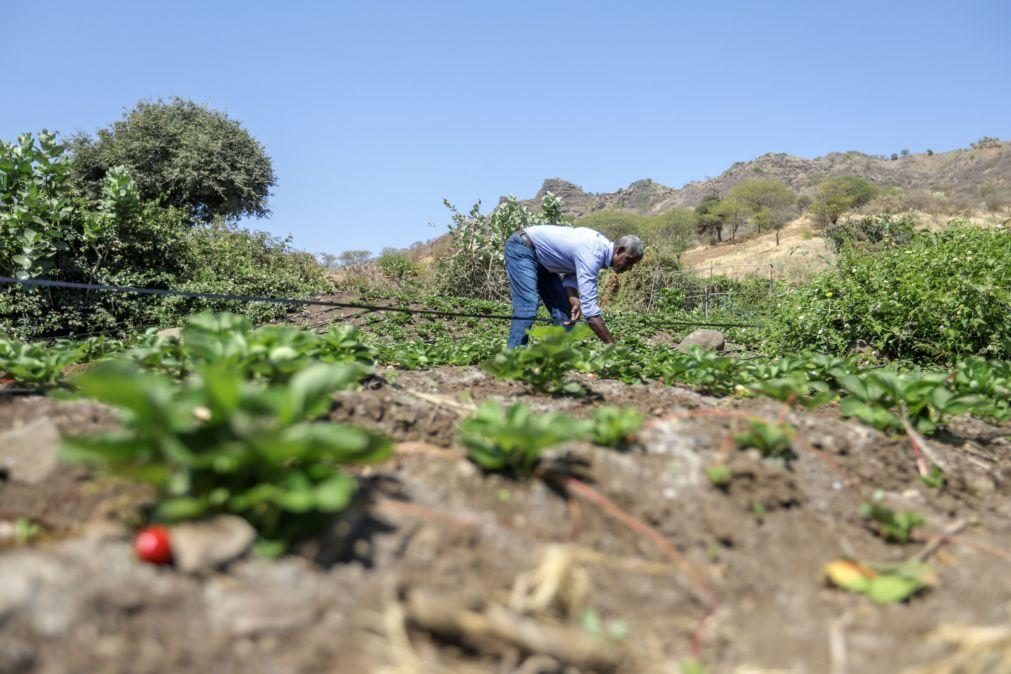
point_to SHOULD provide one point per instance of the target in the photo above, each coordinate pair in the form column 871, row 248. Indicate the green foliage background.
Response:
column 944, row 296
column 97, row 224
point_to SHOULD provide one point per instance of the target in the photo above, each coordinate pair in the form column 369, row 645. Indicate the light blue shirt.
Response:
column 578, row 254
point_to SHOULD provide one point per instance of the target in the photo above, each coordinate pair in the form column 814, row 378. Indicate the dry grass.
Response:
column 801, row 254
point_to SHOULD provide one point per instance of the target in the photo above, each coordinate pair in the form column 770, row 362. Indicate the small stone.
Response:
column 707, row 339
column 170, row 332
column 28, row 453
column 208, row 544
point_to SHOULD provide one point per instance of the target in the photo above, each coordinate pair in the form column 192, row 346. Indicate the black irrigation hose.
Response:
column 46, row 283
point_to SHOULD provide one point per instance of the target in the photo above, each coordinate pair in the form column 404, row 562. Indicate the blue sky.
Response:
column 375, row 111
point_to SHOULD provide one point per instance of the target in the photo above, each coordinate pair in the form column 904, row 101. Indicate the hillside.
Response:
column 965, row 175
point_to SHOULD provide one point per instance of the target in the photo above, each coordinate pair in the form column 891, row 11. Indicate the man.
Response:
column 560, row 266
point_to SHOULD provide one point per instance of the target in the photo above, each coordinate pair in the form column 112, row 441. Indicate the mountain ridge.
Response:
column 965, row 175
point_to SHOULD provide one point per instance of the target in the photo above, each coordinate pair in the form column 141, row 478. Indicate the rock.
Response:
column 263, row 597
column 208, row 544
column 170, row 332
column 28, row 453
column 707, row 339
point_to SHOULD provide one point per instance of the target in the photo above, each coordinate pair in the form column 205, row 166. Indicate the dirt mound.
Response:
column 614, row 562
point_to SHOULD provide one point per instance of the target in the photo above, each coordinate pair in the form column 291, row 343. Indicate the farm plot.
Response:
column 557, row 510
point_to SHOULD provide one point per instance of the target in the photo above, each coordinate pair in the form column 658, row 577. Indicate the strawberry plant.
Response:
column 543, row 364
column 892, row 526
column 36, row 363
column 612, row 425
column 510, row 440
column 770, row 439
column 218, row 442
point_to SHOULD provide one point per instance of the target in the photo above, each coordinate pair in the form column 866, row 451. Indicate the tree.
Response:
column 354, row 259
column 709, row 222
column 930, row 153
column 328, row 260
column 838, row 195
column 733, row 213
column 894, row 156
column 905, row 152
column 183, row 155
column 769, row 201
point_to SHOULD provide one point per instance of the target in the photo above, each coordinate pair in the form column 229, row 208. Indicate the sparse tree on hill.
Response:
column 354, row 259
column 183, row 155
column 733, row 213
column 838, row 195
column 328, row 260
column 905, row 152
column 930, row 153
column 708, row 221
column 769, row 201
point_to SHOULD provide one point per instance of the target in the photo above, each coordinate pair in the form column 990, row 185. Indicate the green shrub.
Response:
column 875, row 231
column 838, row 195
column 944, row 296
column 50, row 229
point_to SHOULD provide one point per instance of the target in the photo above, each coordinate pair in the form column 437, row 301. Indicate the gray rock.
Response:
column 28, row 453
column 208, row 544
column 171, row 332
column 52, row 589
column 707, row 339
column 263, row 597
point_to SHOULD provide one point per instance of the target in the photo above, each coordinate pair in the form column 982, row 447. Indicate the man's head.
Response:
column 627, row 253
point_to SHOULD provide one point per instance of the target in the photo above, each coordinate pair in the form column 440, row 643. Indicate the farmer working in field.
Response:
column 560, row 265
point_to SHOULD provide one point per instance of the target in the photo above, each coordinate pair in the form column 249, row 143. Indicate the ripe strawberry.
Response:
column 152, row 545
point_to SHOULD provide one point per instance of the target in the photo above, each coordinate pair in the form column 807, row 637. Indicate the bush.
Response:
column 183, row 155
column 476, row 266
column 50, row 229
column 226, row 259
column 873, row 231
column 944, row 296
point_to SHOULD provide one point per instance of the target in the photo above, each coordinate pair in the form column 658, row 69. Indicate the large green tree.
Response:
column 770, row 202
column 183, row 155
column 838, row 195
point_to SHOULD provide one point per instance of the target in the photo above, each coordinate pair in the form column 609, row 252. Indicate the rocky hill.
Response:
column 967, row 175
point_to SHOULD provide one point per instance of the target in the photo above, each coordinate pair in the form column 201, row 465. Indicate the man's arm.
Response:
column 598, row 326
column 587, row 271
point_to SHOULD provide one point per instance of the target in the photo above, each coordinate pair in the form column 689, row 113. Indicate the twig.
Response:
column 698, row 585
column 461, row 409
column 590, row 494
column 415, row 447
column 489, row 627
column 420, row 512
column 837, row 645
column 936, row 542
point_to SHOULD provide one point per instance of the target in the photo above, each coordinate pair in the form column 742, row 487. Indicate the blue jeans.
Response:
column 531, row 282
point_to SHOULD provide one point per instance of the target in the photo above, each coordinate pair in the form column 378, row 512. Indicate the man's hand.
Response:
column 576, row 312
column 597, row 324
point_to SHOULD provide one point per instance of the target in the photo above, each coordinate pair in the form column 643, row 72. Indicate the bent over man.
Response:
column 560, row 266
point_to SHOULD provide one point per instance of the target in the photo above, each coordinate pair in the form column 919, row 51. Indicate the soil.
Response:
column 436, row 561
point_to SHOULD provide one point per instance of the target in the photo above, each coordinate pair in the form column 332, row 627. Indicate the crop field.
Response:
column 356, row 491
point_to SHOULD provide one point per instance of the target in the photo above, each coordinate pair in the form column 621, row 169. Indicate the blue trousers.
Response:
column 530, row 282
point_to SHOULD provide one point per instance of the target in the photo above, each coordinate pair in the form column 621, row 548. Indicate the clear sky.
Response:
column 375, row 111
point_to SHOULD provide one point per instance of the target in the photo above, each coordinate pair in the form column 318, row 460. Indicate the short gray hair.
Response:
column 631, row 243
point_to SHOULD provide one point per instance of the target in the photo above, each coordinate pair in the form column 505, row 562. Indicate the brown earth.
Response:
column 440, row 568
